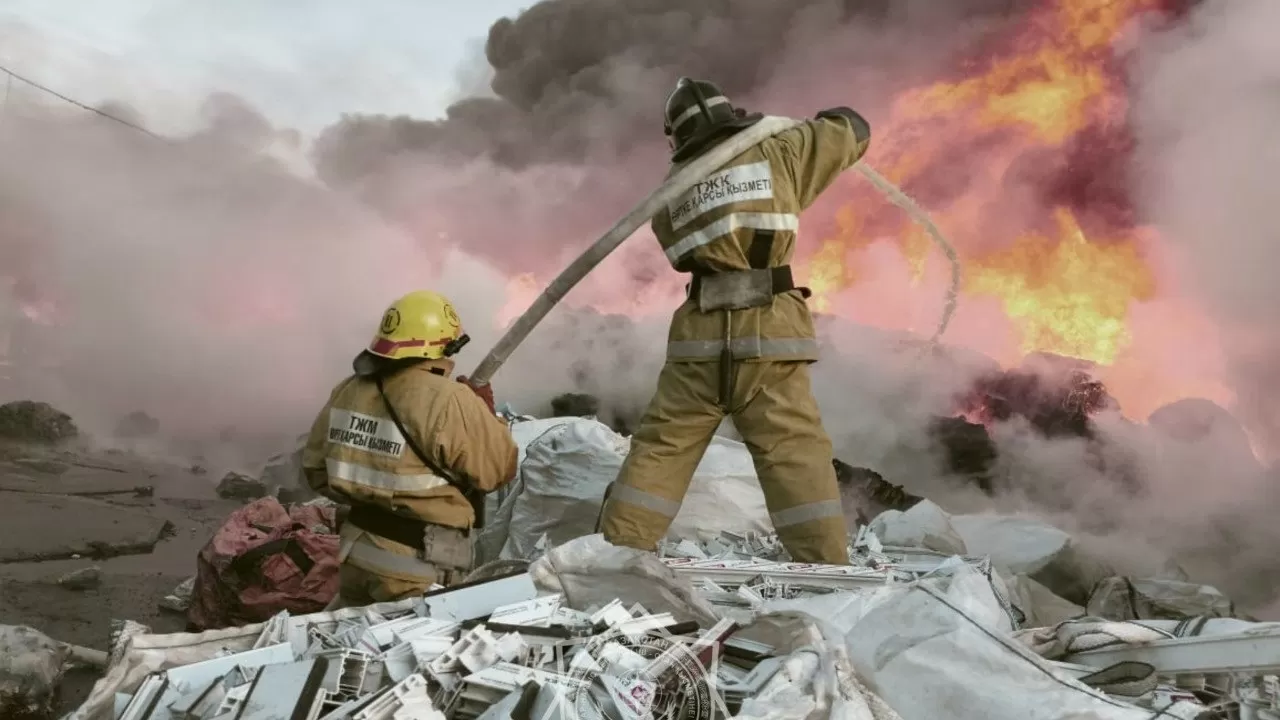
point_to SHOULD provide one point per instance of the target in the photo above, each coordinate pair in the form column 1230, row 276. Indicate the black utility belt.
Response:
column 397, row 528
column 741, row 289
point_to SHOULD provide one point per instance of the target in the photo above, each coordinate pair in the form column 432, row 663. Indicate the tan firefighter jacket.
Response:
column 357, row 453
column 755, row 198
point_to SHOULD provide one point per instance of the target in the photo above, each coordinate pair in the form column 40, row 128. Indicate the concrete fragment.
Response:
column 180, row 599
column 35, row 421
column 82, row 579
column 43, row 465
column 75, row 480
column 87, row 528
column 31, row 668
column 241, row 487
column 864, row 493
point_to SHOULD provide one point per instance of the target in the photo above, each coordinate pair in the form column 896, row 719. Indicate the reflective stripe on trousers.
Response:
column 752, row 346
column 648, row 501
column 376, row 560
column 726, row 225
column 810, row 512
column 797, row 515
column 379, row 480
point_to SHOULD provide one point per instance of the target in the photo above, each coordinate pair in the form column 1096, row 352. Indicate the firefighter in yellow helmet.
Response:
column 412, row 452
column 742, row 342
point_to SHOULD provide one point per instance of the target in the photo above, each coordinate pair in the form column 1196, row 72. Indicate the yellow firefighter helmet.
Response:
column 421, row 324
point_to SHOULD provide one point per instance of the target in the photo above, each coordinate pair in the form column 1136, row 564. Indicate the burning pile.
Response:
column 1056, row 395
column 1021, row 159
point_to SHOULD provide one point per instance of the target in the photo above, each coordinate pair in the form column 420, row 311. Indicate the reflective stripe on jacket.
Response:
column 355, row 450
column 713, row 226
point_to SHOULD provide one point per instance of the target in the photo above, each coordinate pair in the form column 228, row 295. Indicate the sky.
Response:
column 300, row 62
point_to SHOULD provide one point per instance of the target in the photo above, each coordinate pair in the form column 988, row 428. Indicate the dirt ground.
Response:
column 161, row 534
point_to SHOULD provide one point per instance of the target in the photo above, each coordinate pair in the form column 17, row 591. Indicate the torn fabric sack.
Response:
column 265, row 559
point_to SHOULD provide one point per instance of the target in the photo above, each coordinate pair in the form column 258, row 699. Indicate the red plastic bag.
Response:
column 265, row 559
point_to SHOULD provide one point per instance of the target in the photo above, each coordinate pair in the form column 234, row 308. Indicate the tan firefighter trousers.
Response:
column 777, row 415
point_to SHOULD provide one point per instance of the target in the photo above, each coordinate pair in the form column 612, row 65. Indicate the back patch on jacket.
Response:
column 729, row 185
column 365, row 432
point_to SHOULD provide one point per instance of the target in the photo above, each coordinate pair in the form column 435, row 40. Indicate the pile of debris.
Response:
column 713, row 628
column 35, row 422
column 970, row 617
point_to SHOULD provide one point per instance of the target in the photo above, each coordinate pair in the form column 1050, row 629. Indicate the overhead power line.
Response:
column 15, row 76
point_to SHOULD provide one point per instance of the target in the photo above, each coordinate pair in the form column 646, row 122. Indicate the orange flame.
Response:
column 1070, row 297
column 1063, row 291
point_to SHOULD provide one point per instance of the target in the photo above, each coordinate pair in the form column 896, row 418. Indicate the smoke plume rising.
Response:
column 1205, row 111
column 579, row 87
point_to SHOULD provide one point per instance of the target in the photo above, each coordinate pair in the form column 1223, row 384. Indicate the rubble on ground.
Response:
column 1058, row 395
column 966, row 617
column 864, row 494
column 31, row 669
column 70, row 477
column 967, row 449
column 35, row 422
column 82, row 579
column 711, row 628
column 137, row 424
column 103, row 530
column 1128, row 598
column 236, row 486
column 180, row 599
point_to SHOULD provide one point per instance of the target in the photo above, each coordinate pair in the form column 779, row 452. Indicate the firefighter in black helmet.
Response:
column 742, row 342
column 699, row 115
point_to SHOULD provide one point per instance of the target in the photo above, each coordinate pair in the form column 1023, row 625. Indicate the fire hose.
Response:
column 679, row 183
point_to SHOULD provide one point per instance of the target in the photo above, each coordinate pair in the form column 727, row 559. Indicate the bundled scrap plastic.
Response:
column 968, row 617
column 709, row 629
column 494, row 650
column 566, row 463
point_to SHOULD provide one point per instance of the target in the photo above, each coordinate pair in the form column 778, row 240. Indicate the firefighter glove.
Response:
column 484, row 392
column 861, row 127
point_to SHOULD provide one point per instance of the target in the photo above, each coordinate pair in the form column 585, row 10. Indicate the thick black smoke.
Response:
column 571, row 136
column 577, row 77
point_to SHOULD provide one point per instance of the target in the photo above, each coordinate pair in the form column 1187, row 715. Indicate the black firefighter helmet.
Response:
column 699, row 115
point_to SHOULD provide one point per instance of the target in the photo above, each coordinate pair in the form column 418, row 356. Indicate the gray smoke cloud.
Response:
column 1206, row 108
column 195, row 278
